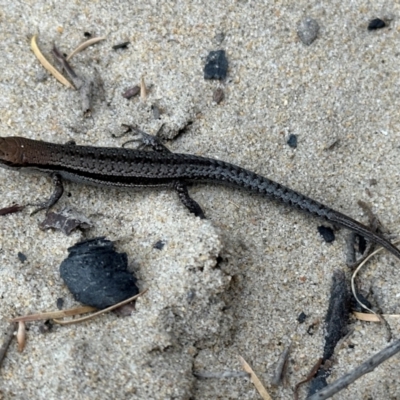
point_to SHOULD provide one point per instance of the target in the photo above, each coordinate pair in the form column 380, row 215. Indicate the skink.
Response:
column 122, row 167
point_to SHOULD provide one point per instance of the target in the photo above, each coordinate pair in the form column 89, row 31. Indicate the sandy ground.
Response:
column 235, row 283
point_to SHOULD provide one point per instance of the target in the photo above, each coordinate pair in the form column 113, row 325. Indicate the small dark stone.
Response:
column 218, row 95
column 301, row 318
column 327, row 233
column 159, row 245
column 216, row 65
column 307, row 30
column 46, row 326
column 123, row 45
column 97, row 275
column 376, row 23
column 131, row 92
column 292, row 141
column 156, row 111
column 87, row 34
column 60, row 303
column 311, row 328
column 21, row 257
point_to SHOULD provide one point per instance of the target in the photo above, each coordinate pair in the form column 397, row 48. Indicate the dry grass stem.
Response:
column 46, row 64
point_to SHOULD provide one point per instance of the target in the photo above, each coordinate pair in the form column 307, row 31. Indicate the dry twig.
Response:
column 363, row 369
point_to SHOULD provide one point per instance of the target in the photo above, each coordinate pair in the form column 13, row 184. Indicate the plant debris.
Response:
column 46, row 64
column 66, row 221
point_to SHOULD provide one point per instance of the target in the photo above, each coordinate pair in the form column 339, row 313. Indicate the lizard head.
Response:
column 11, row 152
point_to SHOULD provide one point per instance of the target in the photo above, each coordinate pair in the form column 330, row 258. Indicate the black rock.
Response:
column 376, row 23
column 292, row 141
column 97, row 275
column 301, row 318
column 216, row 65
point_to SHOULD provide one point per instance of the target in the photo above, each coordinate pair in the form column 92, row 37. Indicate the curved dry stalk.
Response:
column 46, row 64
column 75, row 321
column 353, row 277
column 83, row 45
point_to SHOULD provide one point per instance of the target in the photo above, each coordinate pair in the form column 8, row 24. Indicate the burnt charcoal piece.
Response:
column 159, row 245
column 301, row 318
column 216, row 65
column 60, row 303
column 326, row 233
column 292, row 141
column 123, row 45
column 21, row 257
column 97, row 275
column 376, row 23
column 338, row 313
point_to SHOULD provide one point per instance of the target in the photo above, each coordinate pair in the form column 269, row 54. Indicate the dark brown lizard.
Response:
column 121, row 167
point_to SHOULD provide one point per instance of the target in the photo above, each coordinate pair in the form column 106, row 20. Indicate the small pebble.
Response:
column 219, row 37
column 156, row 111
column 216, row 65
column 301, row 318
column 21, row 257
column 159, row 245
column 375, row 24
column 327, row 233
column 60, row 303
column 292, row 141
column 218, row 95
column 307, row 30
column 131, row 92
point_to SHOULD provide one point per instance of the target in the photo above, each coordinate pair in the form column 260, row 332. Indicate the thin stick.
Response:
column 353, row 277
column 54, row 314
column 74, row 321
column 363, row 369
